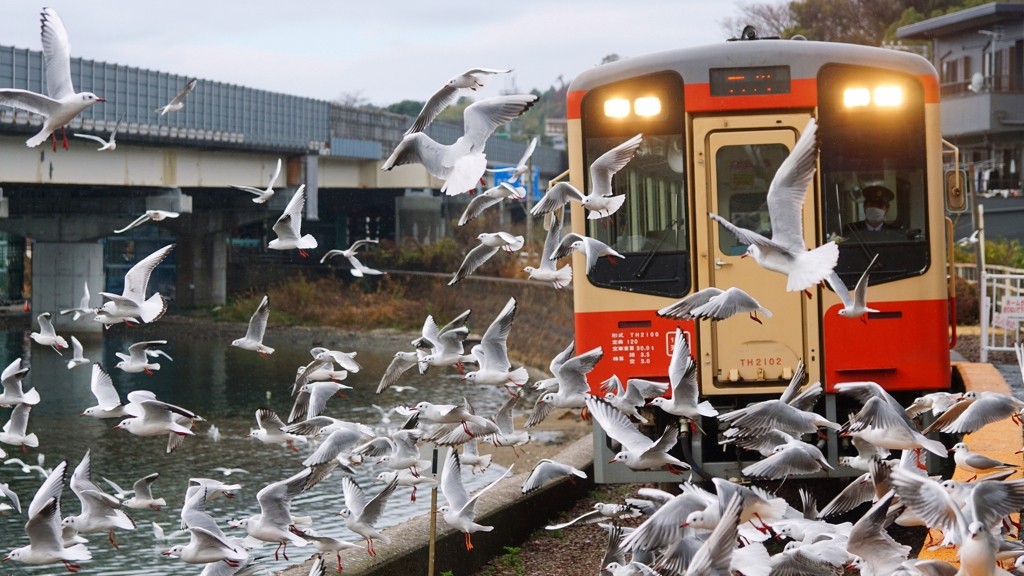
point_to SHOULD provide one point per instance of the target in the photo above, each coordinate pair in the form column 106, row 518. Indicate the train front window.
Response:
column 650, row 229
column 744, row 174
column 874, row 186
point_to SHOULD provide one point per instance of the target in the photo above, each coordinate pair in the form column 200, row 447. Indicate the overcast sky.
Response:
column 386, row 50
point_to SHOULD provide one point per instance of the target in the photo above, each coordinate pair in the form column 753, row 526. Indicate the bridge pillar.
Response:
column 59, row 272
column 201, row 261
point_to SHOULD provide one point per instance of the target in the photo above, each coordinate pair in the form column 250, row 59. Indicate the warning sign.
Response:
column 1013, row 307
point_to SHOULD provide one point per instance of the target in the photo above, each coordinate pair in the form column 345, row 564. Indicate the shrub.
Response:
column 966, row 302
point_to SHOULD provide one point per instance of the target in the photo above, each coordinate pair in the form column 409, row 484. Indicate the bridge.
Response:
column 67, row 203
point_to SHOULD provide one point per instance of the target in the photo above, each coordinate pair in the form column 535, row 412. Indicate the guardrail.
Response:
column 968, row 271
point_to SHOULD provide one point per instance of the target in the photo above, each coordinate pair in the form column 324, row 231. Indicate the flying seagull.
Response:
column 105, row 144
column 179, row 101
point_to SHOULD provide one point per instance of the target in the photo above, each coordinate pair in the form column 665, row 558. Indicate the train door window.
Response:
column 874, row 186
column 650, row 229
column 744, row 174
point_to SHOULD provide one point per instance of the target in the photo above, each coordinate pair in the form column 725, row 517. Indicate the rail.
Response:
column 969, row 271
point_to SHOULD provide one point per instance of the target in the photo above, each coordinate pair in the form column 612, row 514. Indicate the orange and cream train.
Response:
column 716, row 122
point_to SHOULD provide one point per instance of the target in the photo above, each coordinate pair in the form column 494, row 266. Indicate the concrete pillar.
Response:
column 312, row 187
column 201, row 261
column 59, row 273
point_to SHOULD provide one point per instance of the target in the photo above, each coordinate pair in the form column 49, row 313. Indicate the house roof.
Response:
column 964, row 20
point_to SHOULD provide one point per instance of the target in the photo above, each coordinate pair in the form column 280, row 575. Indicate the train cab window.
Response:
column 744, row 174
column 651, row 228
column 874, row 185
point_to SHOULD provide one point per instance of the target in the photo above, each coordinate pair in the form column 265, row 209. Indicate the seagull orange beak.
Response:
column 612, row 461
column 684, row 524
column 101, row 100
column 118, row 427
column 743, row 256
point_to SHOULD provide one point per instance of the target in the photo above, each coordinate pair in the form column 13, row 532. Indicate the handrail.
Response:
column 951, row 282
column 956, row 155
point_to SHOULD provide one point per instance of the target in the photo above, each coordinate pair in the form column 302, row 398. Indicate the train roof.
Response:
column 805, row 58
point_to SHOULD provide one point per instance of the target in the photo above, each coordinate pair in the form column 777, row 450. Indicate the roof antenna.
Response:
column 749, row 33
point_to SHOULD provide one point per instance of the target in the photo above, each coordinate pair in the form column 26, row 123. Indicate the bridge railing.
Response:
column 214, row 111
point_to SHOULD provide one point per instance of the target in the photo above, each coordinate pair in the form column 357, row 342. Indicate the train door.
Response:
column 735, row 160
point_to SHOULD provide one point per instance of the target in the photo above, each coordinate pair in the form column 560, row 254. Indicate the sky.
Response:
column 383, row 51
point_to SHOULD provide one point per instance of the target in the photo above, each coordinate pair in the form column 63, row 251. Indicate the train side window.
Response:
column 873, row 182
column 744, row 174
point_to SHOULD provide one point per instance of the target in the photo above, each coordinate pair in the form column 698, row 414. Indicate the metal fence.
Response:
column 214, row 111
column 968, row 271
column 1002, row 312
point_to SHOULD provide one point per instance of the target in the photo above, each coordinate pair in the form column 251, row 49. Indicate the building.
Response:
column 979, row 54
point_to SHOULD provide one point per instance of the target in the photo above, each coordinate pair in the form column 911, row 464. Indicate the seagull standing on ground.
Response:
column 179, row 101
column 105, row 144
column 600, row 202
column 253, row 339
column 289, row 227
column 785, row 252
column 61, row 104
column 262, row 195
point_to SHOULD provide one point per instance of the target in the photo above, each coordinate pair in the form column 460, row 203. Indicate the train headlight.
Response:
column 616, row 108
column 888, row 96
column 854, row 97
column 649, row 106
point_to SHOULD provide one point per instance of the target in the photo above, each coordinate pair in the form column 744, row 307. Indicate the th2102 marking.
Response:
column 760, row 361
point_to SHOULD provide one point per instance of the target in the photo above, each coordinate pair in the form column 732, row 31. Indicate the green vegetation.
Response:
column 512, row 559
column 998, row 252
column 868, row 22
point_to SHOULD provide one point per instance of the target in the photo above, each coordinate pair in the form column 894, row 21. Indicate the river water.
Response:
column 225, row 386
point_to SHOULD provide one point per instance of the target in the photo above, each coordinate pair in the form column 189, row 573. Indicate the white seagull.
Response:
column 12, row 382
column 15, row 431
column 132, row 302
column 489, row 246
column 46, row 544
column 157, row 419
column 154, row 215
column 271, row 430
column 110, row 144
column 60, row 104
column 461, row 164
column 405, row 478
column 573, row 388
column 492, row 353
column 275, row 517
column 360, row 515
column 682, row 375
column 108, row 402
column 635, row 394
column 83, row 307
column 357, row 270
column 855, row 304
column 548, row 470
column 402, row 363
column 728, row 304
column 549, row 271
column 446, row 96
column 683, row 309
column 521, row 168
column 77, row 357
column 137, row 360
column 47, row 336
column 639, row 452
column 143, row 498
column 253, row 339
column 489, row 198
column 262, row 195
column 206, row 547
column 785, row 252
column 289, row 226
column 312, row 399
column 179, row 101
column 460, row 512
column 590, row 248
column 600, row 202
column 324, row 543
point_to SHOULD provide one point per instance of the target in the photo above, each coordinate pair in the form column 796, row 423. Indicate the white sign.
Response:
column 1004, row 321
column 1013, row 307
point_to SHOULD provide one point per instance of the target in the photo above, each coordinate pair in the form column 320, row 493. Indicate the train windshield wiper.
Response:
column 654, row 249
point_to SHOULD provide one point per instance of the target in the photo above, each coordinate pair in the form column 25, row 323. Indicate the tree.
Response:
column 353, row 98
column 407, row 107
column 611, row 58
column 769, row 19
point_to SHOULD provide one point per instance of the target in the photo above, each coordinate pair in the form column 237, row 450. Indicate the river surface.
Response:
column 225, row 386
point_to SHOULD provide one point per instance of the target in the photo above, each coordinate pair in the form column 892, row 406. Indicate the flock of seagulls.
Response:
column 695, row 532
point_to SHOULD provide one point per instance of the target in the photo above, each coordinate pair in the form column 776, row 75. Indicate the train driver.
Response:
column 876, row 206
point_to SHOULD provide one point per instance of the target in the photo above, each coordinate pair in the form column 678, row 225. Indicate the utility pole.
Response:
column 529, row 207
column 433, row 517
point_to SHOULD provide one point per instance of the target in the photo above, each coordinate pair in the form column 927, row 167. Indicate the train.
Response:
column 717, row 121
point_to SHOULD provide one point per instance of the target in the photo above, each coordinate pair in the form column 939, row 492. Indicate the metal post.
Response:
column 982, row 284
column 433, row 517
column 979, row 248
column 529, row 206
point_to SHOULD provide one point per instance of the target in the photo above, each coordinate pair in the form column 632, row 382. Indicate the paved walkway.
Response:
column 998, row 440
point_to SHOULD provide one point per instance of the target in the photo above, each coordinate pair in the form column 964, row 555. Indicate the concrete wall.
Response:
column 59, row 271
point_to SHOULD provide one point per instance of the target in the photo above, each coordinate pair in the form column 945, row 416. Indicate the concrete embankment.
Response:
column 513, row 515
